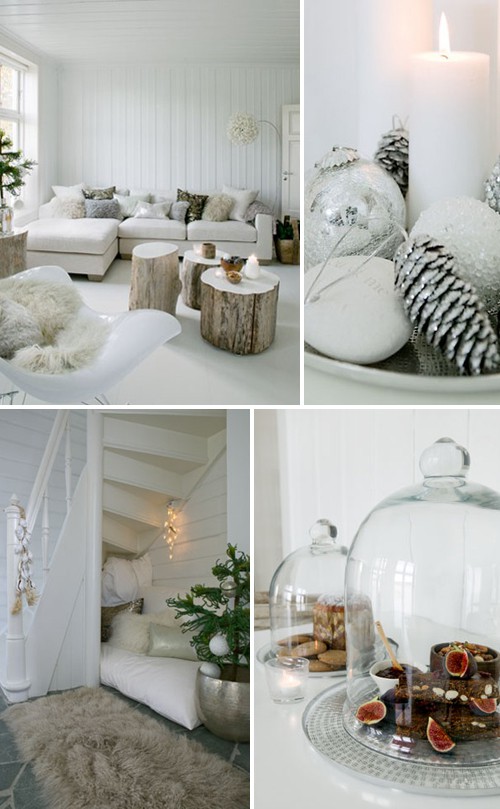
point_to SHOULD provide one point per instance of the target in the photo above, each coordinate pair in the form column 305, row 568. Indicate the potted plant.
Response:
column 13, row 169
column 219, row 618
column 287, row 240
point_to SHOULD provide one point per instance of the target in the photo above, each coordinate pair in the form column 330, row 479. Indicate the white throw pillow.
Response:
column 131, row 631
column 242, row 199
column 68, row 191
column 122, row 579
column 217, row 208
column 128, row 204
column 65, row 208
column 149, row 210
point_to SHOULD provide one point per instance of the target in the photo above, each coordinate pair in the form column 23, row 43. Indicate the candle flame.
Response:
column 444, row 37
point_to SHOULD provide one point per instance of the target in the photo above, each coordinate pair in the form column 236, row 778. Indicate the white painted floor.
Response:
column 190, row 371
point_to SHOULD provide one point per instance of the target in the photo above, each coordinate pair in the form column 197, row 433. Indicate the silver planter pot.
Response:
column 224, row 707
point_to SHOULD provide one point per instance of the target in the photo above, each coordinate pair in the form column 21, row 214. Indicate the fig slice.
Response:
column 460, row 663
column 371, row 712
column 483, row 706
column 438, row 737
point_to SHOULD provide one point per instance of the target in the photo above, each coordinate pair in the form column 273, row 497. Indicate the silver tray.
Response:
column 416, row 366
column 323, row 726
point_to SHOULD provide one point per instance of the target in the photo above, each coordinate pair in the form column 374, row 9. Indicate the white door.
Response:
column 290, row 174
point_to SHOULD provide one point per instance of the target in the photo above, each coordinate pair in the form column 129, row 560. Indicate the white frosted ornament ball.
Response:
column 360, row 318
column 470, row 231
column 210, row 670
column 218, row 645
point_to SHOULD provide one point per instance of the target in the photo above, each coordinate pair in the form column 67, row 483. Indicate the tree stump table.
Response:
column 155, row 282
column 240, row 318
column 193, row 266
column 13, row 253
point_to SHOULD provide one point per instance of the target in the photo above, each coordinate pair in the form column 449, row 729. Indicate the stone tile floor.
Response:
column 19, row 789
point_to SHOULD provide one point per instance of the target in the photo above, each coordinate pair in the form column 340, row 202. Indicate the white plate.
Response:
column 265, row 653
column 400, row 380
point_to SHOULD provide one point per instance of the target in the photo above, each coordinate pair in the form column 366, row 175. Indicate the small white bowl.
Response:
column 383, row 683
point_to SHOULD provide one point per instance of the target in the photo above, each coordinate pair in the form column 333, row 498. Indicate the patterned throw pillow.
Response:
column 196, row 203
column 108, row 613
column 150, row 210
column 217, row 208
column 102, row 209
column 98, row 193
column 66, row 208
column 178, row 211
column 254, row 208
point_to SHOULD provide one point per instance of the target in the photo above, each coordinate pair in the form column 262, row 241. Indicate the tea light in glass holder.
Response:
column 287, row 678
column 252, row 269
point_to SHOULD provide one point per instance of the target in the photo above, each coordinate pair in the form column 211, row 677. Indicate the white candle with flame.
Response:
column 252, row 269
column 449, row 125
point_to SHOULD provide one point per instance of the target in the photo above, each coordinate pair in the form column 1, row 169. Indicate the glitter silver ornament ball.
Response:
column 354, row 199
column 470, row 230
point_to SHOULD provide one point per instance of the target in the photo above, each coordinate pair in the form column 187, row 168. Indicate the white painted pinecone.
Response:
column 443, row 308
column 492, row 188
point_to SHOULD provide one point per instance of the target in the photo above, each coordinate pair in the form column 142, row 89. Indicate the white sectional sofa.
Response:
column 88, row 246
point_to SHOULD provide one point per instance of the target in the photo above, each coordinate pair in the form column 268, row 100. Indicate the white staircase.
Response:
column 137, row 462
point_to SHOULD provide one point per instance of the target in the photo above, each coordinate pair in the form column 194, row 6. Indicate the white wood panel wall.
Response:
column 340, row 463
column 202, row 537
column 23, row 436
column 159, row 127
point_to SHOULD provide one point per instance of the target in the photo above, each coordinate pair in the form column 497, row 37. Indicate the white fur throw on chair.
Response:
column 40, row 329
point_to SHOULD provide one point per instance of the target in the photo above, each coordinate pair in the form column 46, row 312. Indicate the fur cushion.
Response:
column 131, row 632
column 108, row 614
column 179, row 210
column 66, row 208
column 63, row 341
column 18, row 328
column 102, row 209
column 217, row 208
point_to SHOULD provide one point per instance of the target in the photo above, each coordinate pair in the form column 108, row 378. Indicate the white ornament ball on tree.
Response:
column 470, row 230
column 218, row 645
column 210, row 670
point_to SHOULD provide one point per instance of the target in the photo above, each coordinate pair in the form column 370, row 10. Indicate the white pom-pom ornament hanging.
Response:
column 210, row 670
column 218, row 645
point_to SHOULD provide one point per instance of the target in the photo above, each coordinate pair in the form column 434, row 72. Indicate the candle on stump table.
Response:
column 252, row 268
column 449, row 125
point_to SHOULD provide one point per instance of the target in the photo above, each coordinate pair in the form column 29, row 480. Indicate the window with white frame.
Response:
column 11, row 100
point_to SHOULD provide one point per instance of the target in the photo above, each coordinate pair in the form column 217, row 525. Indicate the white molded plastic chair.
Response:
column 132, row 337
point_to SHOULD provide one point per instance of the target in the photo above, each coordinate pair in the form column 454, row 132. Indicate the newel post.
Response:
column 16, row 685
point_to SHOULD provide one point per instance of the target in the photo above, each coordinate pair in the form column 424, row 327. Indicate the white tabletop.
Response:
column 290, row 774
column 197, row 258
column 154, row 249
column 247, row 286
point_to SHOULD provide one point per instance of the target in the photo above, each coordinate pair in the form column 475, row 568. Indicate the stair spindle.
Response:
column 68, row 459
column 45, row 535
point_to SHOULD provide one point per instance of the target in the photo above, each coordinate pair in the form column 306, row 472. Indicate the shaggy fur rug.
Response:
column 40, row 329
column 90, row 750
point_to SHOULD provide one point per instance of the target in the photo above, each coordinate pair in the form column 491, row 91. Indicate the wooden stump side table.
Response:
column 193, row 266
column 13, row 253
column 155, row 282
column 240, row 318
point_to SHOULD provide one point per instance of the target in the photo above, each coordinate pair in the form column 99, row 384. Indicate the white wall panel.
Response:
column 340, row 463
column 202, row 537
column 159, row 127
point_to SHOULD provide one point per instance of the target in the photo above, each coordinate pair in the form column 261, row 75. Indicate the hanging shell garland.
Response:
column 444, row 308
column 24, row 584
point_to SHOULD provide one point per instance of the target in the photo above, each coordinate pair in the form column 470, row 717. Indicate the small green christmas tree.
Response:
column 220, row 616
column 13, row 168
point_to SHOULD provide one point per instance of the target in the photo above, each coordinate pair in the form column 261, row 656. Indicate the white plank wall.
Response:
column 202, row 537
column 23, row 436
column 163, row 127
column 340, row 463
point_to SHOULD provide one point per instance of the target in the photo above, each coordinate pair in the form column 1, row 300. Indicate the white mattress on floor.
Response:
column 165, row 684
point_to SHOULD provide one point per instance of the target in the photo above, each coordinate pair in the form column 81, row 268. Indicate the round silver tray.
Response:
column 416, row 367
column 264, row 653
column 323, row 726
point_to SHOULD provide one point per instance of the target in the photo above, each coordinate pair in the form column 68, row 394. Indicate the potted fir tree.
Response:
column 13, row 169
column 219, row 617
column 287, row 241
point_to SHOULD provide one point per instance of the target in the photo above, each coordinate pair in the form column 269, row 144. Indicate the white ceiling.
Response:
column 157, row 30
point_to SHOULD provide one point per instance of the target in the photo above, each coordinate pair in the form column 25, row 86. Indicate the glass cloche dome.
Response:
column 426, row 562
column 306, row 601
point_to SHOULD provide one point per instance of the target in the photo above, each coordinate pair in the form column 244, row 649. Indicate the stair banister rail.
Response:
column 45, row 468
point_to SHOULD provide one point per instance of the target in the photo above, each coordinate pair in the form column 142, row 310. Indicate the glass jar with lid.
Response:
column 426, row 562
column 306, row 602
